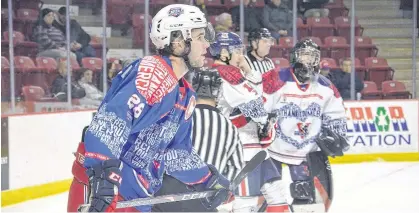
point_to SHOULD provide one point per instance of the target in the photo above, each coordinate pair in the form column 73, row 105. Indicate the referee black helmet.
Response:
column 260, row 34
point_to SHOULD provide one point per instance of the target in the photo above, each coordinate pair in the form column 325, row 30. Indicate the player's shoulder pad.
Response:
column 231, row 74
column 273, row 80
column 155, row 79
column 327, row 83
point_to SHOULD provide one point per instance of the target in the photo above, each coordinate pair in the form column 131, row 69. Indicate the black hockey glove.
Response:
column 331, row 143
column 104, row 181
column 218, row 182
column 267, row 131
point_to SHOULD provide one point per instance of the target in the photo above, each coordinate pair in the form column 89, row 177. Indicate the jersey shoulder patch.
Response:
column 155, row 79
column 273, row 81
column 231, row 74
column 327, row 83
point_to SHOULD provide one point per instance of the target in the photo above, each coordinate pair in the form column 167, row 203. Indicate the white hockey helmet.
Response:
column 178, row 17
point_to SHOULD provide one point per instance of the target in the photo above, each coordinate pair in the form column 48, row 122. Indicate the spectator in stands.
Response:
column 78, row 37
column 288, row 3
column 113, row 69
column 97, row 7
column 313, row 8
column 223, row 23
column 277, row 18
column 93, row 95
column 252, row 16
column 59, row 85
column 324, row 68
column 407, row 9
column 51, row 41
column 341, row 78
column 325, row 71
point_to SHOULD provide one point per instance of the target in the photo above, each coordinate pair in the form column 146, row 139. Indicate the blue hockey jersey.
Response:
column 145, row 121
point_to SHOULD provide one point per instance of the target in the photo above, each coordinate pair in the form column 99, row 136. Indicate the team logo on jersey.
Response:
column 302, row 129
column 175, row 12
column 191, row 106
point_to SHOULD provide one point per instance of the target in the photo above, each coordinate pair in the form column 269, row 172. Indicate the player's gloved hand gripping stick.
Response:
column 250, row 166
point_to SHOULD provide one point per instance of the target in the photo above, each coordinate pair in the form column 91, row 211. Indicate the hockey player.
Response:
column 260, row 41
column 242, row 100
column 241, row 92
column 214, row 137
column 311, row 115
column 143, row 126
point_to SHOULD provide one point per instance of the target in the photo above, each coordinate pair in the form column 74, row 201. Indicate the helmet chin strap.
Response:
column 228, row 60
column 256, row 51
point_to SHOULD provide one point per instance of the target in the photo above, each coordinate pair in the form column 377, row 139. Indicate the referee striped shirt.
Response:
column 216, row 140
column 260, row 66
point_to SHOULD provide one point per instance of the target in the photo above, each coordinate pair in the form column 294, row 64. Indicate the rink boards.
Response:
column 37, row 149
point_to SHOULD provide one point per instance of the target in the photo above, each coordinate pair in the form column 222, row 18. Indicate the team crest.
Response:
column 175, row 12
column 190, row 108
column 302, row 129
column 224, row 35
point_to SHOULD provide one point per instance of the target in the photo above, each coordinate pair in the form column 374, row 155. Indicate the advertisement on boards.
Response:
column 57, row 107
column 382, row 126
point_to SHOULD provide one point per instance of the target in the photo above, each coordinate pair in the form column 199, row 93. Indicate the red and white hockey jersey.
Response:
column 242, row 101
column 302, row 111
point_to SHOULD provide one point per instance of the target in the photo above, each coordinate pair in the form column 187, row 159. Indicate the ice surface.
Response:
column 366, row 187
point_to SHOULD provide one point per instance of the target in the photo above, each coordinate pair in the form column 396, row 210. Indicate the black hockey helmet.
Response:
column 260, row 33
column 305, row 59
column 206, row 83
column 256, row 35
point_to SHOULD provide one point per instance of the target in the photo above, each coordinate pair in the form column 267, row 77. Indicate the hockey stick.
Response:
column 250, row 166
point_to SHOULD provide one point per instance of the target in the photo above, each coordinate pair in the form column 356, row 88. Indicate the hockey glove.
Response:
column 331, row 143
column 267, row 131
column 219, row 183
column 104, row 181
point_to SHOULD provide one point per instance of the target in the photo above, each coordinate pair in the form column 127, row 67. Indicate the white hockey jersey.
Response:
column 242, row 102
column 302, row 111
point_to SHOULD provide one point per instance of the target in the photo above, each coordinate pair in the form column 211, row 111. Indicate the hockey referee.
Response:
column 215, row 139
column 260, row 41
